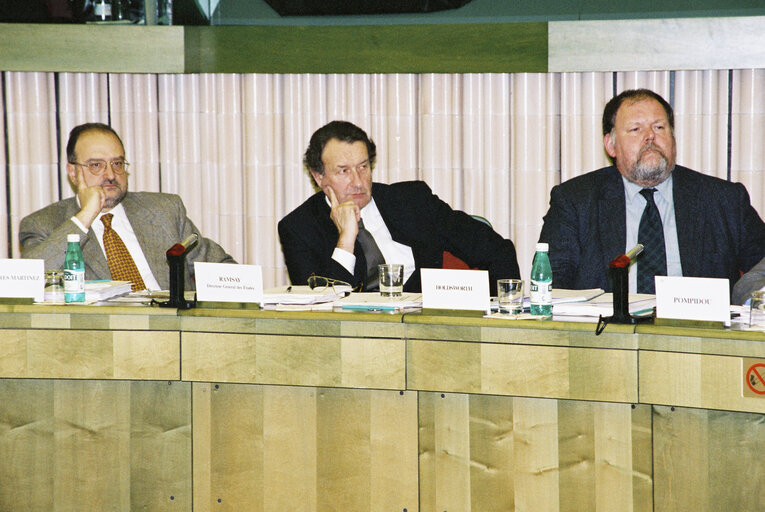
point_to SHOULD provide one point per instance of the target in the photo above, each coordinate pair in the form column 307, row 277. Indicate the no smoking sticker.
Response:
column 754, row 378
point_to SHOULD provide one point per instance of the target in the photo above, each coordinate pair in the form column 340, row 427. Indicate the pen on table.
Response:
column 359, row 307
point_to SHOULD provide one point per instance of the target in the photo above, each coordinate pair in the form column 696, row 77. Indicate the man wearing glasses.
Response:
column 111, row 221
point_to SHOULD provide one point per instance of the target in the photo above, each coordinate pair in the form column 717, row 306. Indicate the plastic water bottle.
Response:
column 540, row 295
column 74, row 270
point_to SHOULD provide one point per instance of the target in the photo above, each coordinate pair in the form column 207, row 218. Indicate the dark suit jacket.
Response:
column 158, row 220
column 415, row 217
column 718, row 231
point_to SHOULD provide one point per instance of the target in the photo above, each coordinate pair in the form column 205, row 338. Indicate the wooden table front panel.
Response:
column 89, row 354
column 294, row 360
column 492, row 453
column 522, row 370
column 95, row 445
column 276, row 448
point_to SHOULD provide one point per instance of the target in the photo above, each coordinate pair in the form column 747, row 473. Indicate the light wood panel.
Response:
column 695, row 380
column 96, row 354
column 91, row 48
column 522, row 370
column 489, row 453
column 708, row 460
column 273, row 448
column 304, row 361
column 674, row 43
column 94, row 445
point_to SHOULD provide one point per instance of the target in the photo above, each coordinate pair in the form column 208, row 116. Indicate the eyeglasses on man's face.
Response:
column 97, row 167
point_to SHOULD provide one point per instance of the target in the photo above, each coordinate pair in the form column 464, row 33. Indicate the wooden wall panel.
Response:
column 94, row 445
column 305, row 360
column 708, row 461
column 695, row 380
column 274, row 448
column 491, row 453
column 91, row 354
column 522, row 370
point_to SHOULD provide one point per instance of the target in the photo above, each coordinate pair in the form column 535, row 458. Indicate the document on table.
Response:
column 302, row 298
column 373, row 301
column 639, row 303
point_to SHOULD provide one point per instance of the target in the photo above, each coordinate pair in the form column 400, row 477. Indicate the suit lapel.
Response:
column 151, row 240
column 612, row 217
column 94, row 256
column 688, row 212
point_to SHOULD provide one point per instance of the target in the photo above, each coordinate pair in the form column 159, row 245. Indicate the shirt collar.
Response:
column 664, row 189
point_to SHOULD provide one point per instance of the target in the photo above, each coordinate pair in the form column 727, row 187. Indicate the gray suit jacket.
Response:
column 159, row 221
column 749, row 282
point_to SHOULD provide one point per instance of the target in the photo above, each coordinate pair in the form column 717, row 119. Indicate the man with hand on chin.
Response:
column 690, row 224
column 352, row 224
column 112, row 221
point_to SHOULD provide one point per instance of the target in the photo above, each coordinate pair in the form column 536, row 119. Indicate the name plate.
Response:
column 228, row 282
column 455, row 289
column 22, row 278
column 693, row 298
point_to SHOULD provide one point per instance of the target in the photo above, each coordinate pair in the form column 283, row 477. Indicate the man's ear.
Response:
column 71, row 170
column 317, row 177
column 608, row 143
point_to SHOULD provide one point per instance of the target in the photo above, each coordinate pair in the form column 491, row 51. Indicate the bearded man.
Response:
column 690, row 224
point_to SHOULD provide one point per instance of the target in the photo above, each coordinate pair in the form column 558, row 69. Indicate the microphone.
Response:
column 618, row 270
column 624, row 260
column 180, row 248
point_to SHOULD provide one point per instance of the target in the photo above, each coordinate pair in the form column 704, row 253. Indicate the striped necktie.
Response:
column 651, row 235
column 121, row 263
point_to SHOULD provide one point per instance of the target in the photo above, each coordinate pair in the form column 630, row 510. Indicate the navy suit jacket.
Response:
column 718, row 231
column 415, row 217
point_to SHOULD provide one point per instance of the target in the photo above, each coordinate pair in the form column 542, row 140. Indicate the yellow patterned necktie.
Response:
column 121, row 264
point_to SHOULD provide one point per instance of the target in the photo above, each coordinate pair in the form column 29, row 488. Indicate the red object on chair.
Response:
column 453, row 262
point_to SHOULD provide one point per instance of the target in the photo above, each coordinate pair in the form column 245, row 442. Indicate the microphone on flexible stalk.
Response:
column 618, row 271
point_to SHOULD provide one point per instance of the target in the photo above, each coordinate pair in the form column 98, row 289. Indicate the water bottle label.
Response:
column 540, row 292
column 74, row 281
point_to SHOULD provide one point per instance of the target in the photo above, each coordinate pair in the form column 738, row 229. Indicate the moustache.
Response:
column 651, row 147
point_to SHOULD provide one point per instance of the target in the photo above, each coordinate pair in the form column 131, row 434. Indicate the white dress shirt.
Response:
column 121, row 225
column 664, row 202
column 392, row 251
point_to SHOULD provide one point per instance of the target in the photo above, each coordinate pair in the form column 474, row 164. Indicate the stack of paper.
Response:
column 96, row 291
column 373, row 301
column 302, row 298
column 604, row 305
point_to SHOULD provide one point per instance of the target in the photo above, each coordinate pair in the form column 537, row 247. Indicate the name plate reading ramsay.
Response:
column 693, row 298
column 228, row 282
column 22, row 278
column 455, row 289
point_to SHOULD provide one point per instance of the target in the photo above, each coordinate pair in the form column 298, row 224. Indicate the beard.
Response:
column 650, row 174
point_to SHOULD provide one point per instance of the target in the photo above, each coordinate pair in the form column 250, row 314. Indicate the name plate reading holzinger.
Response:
column 227, row 282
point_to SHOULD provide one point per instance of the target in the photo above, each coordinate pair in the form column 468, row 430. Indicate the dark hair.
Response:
column 342, row 131
column 612, row 107
column 74, row 136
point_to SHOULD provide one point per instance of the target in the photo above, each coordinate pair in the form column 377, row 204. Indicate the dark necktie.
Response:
column 373, row 256
column 121, row 263
column 651, row 235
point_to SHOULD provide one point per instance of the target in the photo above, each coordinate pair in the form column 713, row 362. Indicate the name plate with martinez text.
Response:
column 228, row 282
column 455, row 289
column 22, row 278
column 693, row 298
